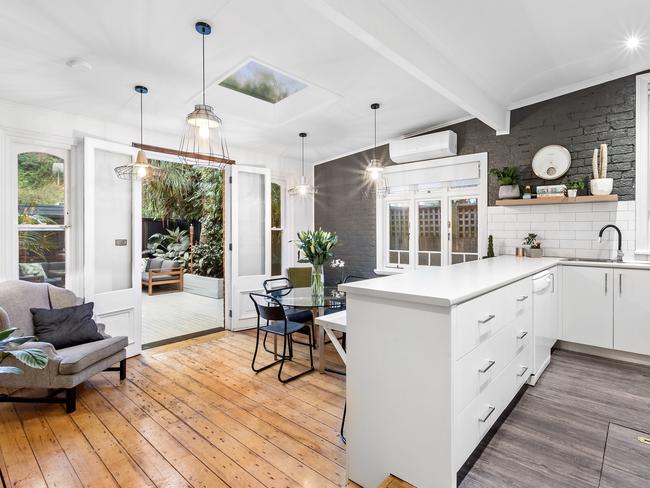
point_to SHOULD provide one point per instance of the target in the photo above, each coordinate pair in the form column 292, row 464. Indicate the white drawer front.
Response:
column 479, row 416
column 480, row 318
column 475, row 371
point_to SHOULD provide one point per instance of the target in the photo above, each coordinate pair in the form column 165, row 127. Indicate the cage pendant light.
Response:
column 141, row 169
column 303, row 187
column 203, row 142
column 375, row 167
column 377, row 186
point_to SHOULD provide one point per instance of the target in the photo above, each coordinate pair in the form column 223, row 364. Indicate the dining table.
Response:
column 303, row 298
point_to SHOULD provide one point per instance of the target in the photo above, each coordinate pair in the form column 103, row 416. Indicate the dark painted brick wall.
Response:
column 580, row 121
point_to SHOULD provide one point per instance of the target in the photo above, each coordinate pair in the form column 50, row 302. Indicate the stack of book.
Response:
column 546, row 191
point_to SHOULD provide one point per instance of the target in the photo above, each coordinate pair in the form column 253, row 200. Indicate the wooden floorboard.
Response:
column 195, row 414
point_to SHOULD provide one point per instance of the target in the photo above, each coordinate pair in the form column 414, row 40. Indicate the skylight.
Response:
column 258, row 81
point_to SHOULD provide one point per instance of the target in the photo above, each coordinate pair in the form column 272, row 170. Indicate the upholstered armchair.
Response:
column 67, row 367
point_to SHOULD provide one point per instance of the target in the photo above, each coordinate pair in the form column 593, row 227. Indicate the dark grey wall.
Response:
column 580, row 121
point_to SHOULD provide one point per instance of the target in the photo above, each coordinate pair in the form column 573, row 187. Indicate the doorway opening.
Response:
column 182, row 254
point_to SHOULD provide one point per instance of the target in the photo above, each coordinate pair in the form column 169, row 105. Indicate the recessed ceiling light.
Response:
column 79, row 64
column 632, row 42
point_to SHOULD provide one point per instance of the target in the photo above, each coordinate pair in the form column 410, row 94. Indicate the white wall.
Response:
column 33, row 125
column 566, row 230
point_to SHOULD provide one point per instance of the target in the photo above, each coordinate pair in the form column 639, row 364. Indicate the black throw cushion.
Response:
column 66, row 327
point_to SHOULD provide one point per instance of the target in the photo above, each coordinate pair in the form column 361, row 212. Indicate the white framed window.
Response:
column 435, row 214
column 43, row 189
column 278, row 231
column 642, row 231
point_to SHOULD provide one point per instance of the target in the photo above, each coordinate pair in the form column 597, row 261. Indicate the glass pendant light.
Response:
column 203, row 142
column 375, row 167
column 303, row 187
column 141, row 169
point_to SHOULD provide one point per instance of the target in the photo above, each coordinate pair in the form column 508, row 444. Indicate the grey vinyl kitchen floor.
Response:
column 577, row 428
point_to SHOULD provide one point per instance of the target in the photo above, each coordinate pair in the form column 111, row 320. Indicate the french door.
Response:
column 431, row 230
column 112, row 240
column 249, row 240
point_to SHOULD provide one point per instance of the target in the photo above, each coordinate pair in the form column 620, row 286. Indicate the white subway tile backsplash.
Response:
column 566, row 230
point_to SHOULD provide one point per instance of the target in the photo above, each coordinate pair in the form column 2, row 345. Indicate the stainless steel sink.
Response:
column 593, row 260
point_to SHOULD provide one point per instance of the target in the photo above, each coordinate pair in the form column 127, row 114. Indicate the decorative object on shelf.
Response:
column 533, row 246
column 573, row 186
column 520, row 252
column 303, row 187
column 600, row 184
column 340, row 264
column 508, row 178
column 490, row 248
column 546, row 191
column 527, row 193
column 551, row 162
column 204, row 142
column 316, row 247
column 141, row 169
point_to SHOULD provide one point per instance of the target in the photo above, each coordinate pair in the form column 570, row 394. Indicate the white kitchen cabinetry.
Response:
column 588, row 306
column 632, row 310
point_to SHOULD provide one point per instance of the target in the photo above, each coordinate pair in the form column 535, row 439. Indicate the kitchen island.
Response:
column 434, row 358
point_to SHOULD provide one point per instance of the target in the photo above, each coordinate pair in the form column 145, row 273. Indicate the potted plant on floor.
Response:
column 9, row 347
column 508, row 178
column 316, row 247
column 573, row 186
column 533, row 245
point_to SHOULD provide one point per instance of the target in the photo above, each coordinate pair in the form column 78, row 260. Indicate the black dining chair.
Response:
column 269, row 309
column 279, row 287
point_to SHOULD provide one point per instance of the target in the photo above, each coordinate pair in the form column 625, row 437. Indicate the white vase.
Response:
column 508, row 191
column 572, row 193
column 601, row 186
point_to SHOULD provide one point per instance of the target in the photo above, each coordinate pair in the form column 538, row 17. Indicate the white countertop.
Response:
column 450, row 285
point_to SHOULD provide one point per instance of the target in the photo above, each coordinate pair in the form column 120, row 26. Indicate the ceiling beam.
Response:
column 397, row 39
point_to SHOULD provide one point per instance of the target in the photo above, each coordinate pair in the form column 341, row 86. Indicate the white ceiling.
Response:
column 427, row 62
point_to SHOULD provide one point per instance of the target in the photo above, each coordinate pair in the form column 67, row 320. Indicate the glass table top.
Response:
column 303, row 298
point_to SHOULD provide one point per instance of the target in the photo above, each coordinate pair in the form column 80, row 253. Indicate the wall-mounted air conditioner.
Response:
column 422, row 148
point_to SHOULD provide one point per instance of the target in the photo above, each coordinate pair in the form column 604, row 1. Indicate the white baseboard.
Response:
column 628, row 357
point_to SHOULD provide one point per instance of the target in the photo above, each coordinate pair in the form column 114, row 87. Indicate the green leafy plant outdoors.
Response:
column 31, row 357
column 174, row 245
column 577, row 184
column 508, row 175
column 192, row 194
column 316, row 247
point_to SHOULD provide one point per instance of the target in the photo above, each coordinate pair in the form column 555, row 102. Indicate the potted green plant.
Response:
column 533, row 246
column 9, row 347
column 573, row 186
column 316, row 247
column 508, row 178
column 490, row 247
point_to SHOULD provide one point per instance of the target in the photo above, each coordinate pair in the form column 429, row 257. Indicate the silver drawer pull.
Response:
column 486, row 319
column 487, row 414
column 522, row 371
column 487, row 367
column 522, row 334
column 522, row 298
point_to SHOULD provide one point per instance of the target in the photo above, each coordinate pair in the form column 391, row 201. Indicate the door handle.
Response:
column 522, row 334
column 487, row 367
column 486, row 319
column 605, row 283
column 487, row 414
column 522, row 298
column 620, row 284
column 522, row 371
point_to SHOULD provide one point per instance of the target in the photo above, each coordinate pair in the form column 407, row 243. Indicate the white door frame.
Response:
column 114, row 306
column 241, row 285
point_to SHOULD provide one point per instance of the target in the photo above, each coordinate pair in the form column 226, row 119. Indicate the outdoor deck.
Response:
column 168, row 314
